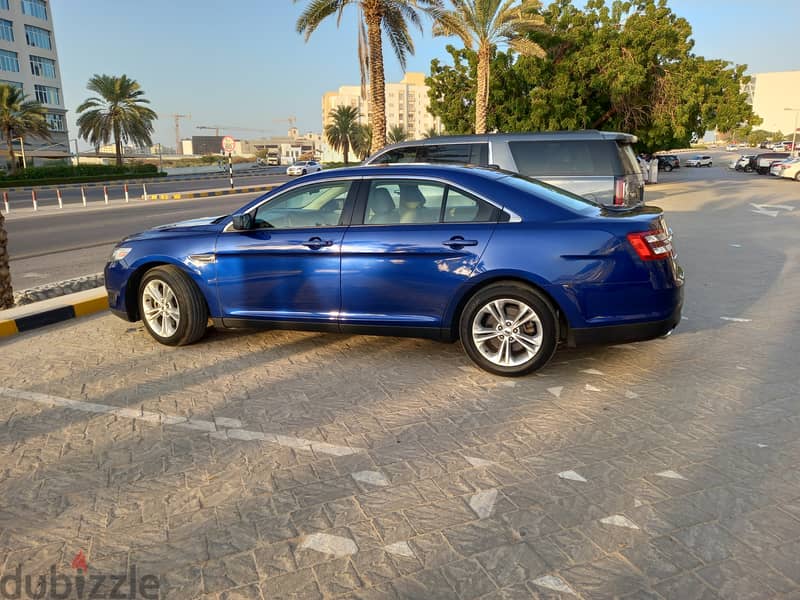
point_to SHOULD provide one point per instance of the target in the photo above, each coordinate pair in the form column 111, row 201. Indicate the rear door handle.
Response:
column 459, row 242
column 316, row 243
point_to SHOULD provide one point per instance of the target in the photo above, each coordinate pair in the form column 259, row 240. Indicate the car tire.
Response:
column 304, row 172
column 797, row 176
column 668, row 168
column 748, row 169
column 181, row 316
column 508, row 300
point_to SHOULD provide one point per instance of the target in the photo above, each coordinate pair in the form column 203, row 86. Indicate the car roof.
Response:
column 410, row 170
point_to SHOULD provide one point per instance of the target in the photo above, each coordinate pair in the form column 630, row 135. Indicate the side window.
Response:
column 569, row 157
column 393, row 202
column 406, row 154
column 463, row 154
column 317, row 205
column 461, row 208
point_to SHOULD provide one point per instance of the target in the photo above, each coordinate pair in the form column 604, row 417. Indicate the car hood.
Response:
column 200, row 222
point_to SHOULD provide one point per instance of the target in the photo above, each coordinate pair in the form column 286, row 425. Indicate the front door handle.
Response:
column 316, row 243
column 459, row 242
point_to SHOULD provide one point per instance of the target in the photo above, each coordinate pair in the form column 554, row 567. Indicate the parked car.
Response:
column 667, row 162
column 699, row 161
column 731, row 147
column 510, row 266
column 777, row 167
column 599, row 165
column 302, row 167
column 761, row 163
column 743, row 163
column 792, row 170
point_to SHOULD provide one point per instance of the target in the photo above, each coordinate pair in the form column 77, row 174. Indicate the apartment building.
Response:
column 776, row 99
column 406, row 105
column 29, row 60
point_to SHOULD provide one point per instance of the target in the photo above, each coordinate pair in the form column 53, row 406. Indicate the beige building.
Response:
column 771, row 94
column 406, row 105
column 28, row 60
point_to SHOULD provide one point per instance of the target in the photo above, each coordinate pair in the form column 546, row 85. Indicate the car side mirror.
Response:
column 243, row 222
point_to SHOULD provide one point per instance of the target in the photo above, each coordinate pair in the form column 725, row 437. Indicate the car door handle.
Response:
column 316, row 243
column 459, row 242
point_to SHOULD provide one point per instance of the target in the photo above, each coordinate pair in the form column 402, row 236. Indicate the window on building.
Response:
column 9, row 61
column 35, row 8
column 6, row 30
column 4, row 5
column 15, row 84
column 46, row 94
column 43, row 67
column 38, row 37
column 55, row 122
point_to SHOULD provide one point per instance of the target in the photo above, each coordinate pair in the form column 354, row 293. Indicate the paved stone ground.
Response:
column 300, row 465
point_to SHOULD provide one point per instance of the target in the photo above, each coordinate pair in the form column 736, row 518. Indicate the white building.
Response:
column 29, row 60
column 771, row 94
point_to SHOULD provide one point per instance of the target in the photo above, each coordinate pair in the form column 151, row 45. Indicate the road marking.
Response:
column 637, row 503
column 371, row 477
column 571, row 475
column 400, row 549
column 591, row 388
column 762, row 445
column 556, row 391
column 670, row 475
column 329, row 544
column 228, row 423
column 483, row 503
column 181, row 422
column 555, row 583
column 735, row 245
column 770, row 210
column 736, row 319
column 619, row 521
column 592, row 372
column 631, row 395
column 478, row 462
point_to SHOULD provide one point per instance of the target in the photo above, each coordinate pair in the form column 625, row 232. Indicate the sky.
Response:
column 240, row 63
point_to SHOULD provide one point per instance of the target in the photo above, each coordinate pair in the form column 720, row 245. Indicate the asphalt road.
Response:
column 71, row 196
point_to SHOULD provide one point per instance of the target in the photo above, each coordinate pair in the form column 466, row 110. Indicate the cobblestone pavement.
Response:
column 302, row 465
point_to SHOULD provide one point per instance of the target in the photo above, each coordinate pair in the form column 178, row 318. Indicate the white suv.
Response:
column 699, row 161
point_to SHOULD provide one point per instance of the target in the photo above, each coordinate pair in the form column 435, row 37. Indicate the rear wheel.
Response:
column 668, row 168
column 304, row 171
column 173, row 310
column 509, row 329
column 797, row 176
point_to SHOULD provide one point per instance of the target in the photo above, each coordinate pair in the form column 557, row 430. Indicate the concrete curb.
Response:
column 55, row 310
column 209, row 193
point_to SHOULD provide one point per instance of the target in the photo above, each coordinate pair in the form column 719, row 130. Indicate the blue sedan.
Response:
column 508, row 265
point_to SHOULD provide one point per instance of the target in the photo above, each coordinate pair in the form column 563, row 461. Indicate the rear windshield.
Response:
column 566, row 157
column 548, row 192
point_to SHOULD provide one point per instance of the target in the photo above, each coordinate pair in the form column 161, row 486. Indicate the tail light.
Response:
column 655, row 244
column 620, row 189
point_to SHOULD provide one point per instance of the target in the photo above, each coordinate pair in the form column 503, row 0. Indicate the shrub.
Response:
column 65, row 171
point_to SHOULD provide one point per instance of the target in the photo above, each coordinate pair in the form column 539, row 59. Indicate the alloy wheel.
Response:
column 160, row 308
column 507, row 332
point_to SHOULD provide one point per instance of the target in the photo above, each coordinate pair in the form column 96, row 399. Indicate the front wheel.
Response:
column 173, row 310
column 668, row 168
column 304, row 172
column 797, row 177
column 509, row 329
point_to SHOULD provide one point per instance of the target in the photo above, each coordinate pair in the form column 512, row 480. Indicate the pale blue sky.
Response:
column 240, row 62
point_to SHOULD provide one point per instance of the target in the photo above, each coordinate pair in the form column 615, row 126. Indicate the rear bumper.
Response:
column 631, row 332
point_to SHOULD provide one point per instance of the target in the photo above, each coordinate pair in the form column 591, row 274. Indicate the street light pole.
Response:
column 77, row 156
column 794, row 131
column 22, row 147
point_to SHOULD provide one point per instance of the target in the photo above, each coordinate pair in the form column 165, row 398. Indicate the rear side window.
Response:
column 398, row 155
column 565, row 157
column 462, row 154
column 628, row 159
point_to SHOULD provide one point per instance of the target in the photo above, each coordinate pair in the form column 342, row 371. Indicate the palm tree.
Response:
column 117, row 113
column 430, row 132
column 343, row 129
column 362, row 143
column 397, row 134
column 482, row 25
column 19, row 118
column 394, row 17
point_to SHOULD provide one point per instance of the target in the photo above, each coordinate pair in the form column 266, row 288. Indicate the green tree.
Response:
column 343, row 129
column 362, row 141
column 482, row 25
column 394, row 17
column 397, row 134
column 430, row 132
column 19, row 118
column 117, row 113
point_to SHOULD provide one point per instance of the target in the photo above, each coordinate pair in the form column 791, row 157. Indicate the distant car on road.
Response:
column 304, row 167
column 510, row 266
column 731, row 147
column 699, row 161
column 667, row 162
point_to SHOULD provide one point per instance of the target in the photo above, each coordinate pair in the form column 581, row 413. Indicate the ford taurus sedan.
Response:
column 510, row 266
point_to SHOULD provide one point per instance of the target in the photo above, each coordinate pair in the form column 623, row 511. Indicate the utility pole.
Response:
column 178, row 118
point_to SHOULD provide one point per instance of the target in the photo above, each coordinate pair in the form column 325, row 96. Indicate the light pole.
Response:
column 77, row 156
column 22, row 147
column 794, row 131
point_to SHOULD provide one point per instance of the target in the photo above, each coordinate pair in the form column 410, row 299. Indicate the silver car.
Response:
column 599, row 165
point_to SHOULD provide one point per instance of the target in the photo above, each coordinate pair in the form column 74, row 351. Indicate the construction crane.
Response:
column 216, row 128
column 177, row 117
